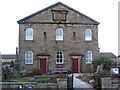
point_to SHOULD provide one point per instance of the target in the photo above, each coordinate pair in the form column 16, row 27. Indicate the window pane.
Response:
column 59, row 57
column 59, row 34
column 60, row 52
column 88, row 56
column 28, row 57
column 29, row 34
column 57, row 60
column 60, row 60
column 88, row 34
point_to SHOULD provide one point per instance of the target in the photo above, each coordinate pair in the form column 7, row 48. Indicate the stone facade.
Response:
column 108, row 83
column 44, row 44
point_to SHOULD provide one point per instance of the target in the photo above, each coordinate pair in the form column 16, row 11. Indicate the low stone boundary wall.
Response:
column 15, row 85
column 62, row 84
column 110, row 83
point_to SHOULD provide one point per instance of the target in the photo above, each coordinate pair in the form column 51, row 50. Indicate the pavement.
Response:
column 80, row 85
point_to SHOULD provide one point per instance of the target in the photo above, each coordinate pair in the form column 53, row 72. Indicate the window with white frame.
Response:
column 29, row 57
column 88, row 34
column 59, row 34
column 59, row 57
column 29, row 34
column 88, row 56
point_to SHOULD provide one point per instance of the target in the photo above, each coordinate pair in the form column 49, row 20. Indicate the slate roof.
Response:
column 56, row 4
column 107, row 54
column 8, row 56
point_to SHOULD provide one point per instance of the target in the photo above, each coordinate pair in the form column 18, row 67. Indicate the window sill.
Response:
column 88, row 40
column 88, row 63
column 28, row 63
column 59, row 63
column 29, row 40
column 59, row 40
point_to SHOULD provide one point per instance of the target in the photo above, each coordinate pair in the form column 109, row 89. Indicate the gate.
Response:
column 70, row 82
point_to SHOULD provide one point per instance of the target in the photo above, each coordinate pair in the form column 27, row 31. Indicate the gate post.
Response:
column 70, row 82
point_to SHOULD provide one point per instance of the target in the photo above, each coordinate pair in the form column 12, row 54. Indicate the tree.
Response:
column 107, row 63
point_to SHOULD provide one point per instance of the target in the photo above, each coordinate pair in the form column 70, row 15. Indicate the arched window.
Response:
column 59, row 34
column 29, row 57
column 59, row 57
column 29, row 34
column 88, row 34
column 88, row 56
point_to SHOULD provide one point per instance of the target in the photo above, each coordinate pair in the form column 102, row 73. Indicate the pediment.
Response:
column 58, row 13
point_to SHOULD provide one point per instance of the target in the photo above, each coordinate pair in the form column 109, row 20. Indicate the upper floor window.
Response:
column 88, row 35
column 59, row 34
column 29, row 57
column 59, row 57
column 88, row 56
column 29, row 34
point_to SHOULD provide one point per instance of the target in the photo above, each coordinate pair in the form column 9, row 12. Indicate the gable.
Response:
column 58, row 12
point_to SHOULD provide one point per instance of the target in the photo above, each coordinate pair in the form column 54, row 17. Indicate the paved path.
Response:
column 80, row 85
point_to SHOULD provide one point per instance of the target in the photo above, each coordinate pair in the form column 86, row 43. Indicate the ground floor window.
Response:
column 59, row 57
column 88, row 56
column 29, row 57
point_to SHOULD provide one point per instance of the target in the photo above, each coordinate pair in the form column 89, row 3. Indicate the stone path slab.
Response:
column 80, row 85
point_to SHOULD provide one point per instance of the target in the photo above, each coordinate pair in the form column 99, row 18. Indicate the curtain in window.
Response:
column 28, row 57
column 29, row 34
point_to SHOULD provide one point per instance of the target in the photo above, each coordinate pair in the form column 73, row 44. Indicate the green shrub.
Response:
column 36, row 71
column 105, row 73
column 60, row 75
column 107, row 63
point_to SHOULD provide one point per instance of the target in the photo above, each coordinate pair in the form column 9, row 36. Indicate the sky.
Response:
column 103, row 11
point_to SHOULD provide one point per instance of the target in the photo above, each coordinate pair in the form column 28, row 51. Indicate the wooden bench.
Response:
column 59, row 70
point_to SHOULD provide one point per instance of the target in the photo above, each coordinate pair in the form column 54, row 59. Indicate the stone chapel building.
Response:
column 58, row 38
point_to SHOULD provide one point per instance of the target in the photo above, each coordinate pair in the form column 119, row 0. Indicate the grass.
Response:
column 22, row 79
column 44, row 80
column 27, row 79
column 40, row 79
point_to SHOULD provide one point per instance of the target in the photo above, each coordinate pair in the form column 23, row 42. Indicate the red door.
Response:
column 43, row 66
column 75, row 66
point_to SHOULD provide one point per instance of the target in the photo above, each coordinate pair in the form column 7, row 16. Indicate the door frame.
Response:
column 43, row 57
column 41, row 67
column 75, row 65
column 79, row 61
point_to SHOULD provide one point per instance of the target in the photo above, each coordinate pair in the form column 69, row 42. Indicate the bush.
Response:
column 36, row 71
column 107, row 63
column 105, row 73
column 60, row 75
column 85, row 78
column 54, row 79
